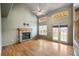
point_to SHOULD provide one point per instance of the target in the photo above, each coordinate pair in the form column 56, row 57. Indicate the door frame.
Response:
column 59, row 39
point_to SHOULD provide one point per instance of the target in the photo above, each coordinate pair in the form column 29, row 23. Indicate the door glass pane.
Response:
column 55, row 33
column 63, row 34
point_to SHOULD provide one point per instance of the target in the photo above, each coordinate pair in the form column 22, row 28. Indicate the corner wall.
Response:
column 68, row 20
column 18, row 14
column 0, row 29
column 75, row 32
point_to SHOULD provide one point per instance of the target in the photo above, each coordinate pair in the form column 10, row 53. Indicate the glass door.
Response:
column 55, row 34
column 60, row 33
column 63, row 33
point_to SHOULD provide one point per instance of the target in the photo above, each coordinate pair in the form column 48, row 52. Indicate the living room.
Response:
column 34, row 28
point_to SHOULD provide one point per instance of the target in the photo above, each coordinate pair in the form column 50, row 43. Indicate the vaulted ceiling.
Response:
column 5, row 7
column 45, row 7
column 34, row 7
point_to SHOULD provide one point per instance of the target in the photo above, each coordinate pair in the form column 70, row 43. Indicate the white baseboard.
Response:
column 0, row 50
column 8, row 43
column 74, row 52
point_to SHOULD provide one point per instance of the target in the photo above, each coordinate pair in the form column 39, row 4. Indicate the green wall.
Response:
column 67, row 20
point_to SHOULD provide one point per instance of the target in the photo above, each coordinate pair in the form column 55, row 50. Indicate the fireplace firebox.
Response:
column 25, row 35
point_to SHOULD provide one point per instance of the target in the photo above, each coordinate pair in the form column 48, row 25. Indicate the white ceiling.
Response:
column 46, row 7
column 76, row 5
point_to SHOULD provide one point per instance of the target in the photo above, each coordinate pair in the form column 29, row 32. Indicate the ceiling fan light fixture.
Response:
column 40, row 13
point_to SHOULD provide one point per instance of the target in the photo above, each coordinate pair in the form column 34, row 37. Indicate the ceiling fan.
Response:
column 38, row 11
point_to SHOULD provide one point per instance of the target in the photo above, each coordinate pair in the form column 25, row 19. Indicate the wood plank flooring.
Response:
column 38, row 48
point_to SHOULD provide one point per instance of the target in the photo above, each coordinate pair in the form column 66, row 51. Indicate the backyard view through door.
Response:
column 60, row 33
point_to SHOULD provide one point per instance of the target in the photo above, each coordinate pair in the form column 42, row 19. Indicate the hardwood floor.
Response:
column 38, row 48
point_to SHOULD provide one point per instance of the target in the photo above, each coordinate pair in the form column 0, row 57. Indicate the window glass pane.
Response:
column 43, row 30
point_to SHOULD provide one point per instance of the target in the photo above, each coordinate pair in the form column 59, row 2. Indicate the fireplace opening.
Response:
column 25, row 35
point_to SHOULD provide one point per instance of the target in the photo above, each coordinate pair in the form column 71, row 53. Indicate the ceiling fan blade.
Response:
column 38, row 9
column 34, row 11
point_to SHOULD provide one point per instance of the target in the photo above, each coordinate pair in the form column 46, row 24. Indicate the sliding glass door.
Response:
column 60, row 33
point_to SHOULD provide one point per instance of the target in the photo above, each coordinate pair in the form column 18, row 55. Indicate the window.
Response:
column 43, row 30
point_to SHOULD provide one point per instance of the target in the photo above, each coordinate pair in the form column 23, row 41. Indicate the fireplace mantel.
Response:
column 24, row 29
